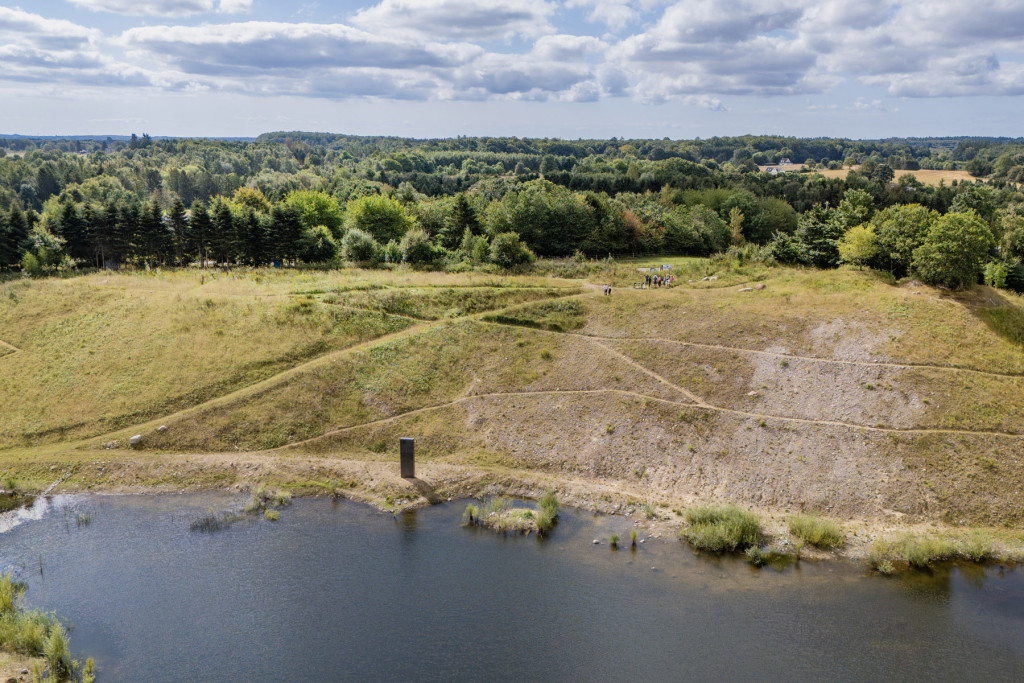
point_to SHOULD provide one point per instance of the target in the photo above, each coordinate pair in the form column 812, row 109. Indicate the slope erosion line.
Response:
column 813, row 359
column 645, row 397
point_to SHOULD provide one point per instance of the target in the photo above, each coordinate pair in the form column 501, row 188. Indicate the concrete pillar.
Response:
column 408, row 458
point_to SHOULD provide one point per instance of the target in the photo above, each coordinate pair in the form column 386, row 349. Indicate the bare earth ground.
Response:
column 802, row 397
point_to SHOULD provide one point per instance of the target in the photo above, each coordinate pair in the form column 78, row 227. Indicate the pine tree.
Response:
column 285, row 232
column 200, row 228
column 223, row 238
column 74, row 231
column 178, row 229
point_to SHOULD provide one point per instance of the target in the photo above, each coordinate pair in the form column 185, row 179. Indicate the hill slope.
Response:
column 826, row 391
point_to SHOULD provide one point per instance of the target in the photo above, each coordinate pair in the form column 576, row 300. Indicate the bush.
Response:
column 317, row 245
column 508, row 251
column 392, row 252
column 820, row 533
column 416, row 248
column 995, row 274
column 721, row 529
column 786, row 250
column 359, row 247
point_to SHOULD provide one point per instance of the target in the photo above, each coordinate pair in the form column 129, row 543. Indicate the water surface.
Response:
column 343, row 592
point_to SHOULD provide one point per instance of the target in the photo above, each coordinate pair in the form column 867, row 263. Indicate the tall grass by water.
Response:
column 919, row 551
column 821, row 533
column 37, row 634
column 721, row 529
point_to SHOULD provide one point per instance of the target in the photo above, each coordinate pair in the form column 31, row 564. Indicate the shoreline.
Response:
column 377, row 484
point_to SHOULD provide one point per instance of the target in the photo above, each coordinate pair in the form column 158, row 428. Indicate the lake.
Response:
column 340, row 591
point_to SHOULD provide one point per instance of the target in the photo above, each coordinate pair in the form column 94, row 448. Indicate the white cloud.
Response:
column 257, row 47
column 40, row 50
column 165, row 8
column 473, row 20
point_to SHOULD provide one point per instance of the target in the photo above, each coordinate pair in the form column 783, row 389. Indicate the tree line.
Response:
column 287, row 198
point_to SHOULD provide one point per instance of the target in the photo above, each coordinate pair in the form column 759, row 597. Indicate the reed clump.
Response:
column 721, row 529
column 919, row 551
column 821, row 533
column 498, row 514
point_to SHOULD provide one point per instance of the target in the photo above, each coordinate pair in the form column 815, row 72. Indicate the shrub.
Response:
column 508, row 251
column 471, row 514
column 721, row 529
column 614, row 540
column 786, row 249
column 995, row 274
column 317, row 245
column 416, row 247
column 818, row 532
column 392, row 252
column 359, row 247
column 632, row 537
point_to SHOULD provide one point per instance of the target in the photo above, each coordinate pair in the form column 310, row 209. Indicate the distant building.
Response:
column 784, row 161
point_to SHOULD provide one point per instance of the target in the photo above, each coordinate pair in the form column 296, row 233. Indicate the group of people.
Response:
column 607, row 290
column 658, row 280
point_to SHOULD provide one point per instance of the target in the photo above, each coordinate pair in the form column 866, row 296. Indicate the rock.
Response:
column 135, row 440
column 641, row 540
column 597, row 541
column 751, row 393
column 713, row 277
column 760, row 285
column 747, row 289
column 162, row 428
column 705, row 278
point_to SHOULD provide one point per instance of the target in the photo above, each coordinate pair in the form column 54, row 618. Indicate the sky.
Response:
column 530, row 68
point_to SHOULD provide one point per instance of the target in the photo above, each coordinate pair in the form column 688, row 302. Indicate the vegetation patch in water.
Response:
column 496, row 513
column 263, row 501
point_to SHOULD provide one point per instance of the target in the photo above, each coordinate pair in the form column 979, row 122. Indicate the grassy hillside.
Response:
column 834, row 392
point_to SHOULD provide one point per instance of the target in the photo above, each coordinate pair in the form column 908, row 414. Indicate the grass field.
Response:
column 926, row 176
column 836, row 392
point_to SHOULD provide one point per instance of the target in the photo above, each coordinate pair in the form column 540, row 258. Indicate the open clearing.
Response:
column 833, row 392
column 926, row 176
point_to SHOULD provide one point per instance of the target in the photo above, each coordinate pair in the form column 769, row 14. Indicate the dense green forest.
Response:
column 463, row 202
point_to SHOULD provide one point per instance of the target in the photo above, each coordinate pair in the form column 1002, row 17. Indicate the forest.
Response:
column 290, row 197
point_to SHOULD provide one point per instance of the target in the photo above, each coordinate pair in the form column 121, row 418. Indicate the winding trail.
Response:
column 645, row 397
column 588, row 289
column 812, row 359
column 11, row 348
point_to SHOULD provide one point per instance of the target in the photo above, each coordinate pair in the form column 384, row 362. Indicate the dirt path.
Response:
column 645, row 397
column 651, row 373
column 813, row 359
column 12, row 349
column 270, row 382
